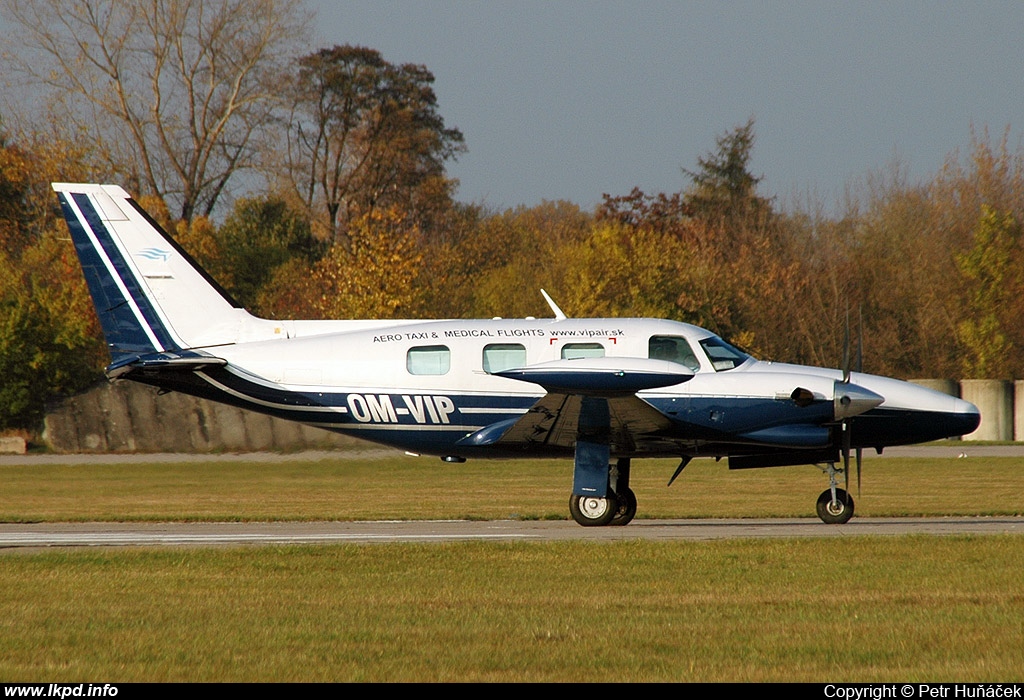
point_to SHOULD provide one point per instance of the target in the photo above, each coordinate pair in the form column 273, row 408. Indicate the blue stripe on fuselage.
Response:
column 366, row 409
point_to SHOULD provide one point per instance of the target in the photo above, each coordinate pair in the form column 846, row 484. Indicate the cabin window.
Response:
column 429, row 359
column 502, row 356
column 674, row 349
column 578, row 351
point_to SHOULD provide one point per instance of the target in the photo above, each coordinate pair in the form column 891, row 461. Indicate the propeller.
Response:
column 860, row 368
column 847, row 420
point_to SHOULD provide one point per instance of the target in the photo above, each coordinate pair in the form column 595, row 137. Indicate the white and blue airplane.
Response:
column 591, row 389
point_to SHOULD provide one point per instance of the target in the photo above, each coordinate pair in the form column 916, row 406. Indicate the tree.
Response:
column 29, row 161
column 661, row 212
column 15, row 175
column 723, row 186
column 622, row 270
column 990, row 271
column 49, row 336
column 260, row 235
column 500, row 268
column 378, row 278
column 363, row 134
column 177, row 92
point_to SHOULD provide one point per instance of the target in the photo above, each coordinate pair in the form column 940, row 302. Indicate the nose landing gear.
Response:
column 835, row 505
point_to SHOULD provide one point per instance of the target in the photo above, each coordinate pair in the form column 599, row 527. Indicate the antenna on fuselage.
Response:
column 559, row 314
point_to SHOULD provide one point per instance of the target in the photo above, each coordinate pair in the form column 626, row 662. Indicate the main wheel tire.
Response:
column 627, row 507
column 839, row 512
column 590, row 511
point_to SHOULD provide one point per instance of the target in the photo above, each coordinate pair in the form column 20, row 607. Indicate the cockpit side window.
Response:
column 673, row 348
column 722, row 355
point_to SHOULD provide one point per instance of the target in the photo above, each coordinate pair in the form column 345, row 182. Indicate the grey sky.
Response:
column 567, row 100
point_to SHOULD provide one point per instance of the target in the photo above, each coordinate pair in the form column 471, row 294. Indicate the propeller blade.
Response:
column 860, row 340
column 860, row 454
column 846, row 348
column 860, row 368
column 846, row 456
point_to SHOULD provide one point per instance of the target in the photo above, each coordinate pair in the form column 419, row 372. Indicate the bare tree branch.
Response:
column 177, row 91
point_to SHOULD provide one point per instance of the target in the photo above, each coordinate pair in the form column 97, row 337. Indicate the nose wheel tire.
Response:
column 835, row 513
column 590, row 511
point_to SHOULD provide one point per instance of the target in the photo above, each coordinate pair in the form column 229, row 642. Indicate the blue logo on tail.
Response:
column 154, row 254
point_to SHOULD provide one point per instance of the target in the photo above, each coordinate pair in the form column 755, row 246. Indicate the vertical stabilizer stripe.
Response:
column 125, row 313
column 149, row 318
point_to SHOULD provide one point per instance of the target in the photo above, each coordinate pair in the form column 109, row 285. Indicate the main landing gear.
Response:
column 618, row 507
column 835, row 505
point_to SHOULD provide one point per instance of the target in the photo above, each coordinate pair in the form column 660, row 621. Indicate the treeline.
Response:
column 359, row 217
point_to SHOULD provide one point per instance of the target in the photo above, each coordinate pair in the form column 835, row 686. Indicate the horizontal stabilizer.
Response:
column 164, row 361
column 601, row 376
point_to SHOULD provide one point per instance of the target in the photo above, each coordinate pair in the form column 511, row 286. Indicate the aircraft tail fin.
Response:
column 150, row 295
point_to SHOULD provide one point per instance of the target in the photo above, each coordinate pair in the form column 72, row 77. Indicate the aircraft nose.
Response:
column 966, row 416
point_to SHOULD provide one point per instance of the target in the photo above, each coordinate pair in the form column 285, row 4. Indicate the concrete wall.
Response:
column 994, row 398
column 1018, row 410
column 130, row 417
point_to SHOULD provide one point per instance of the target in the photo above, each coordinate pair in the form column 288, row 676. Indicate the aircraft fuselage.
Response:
column 366, row 381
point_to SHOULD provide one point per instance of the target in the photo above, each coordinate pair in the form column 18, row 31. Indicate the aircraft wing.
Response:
column 595, row 397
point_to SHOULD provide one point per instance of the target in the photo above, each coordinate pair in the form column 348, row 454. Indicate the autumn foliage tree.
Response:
column 379, row 277
column 260, row 235
column 49, row 335
column 365, row 134
column 499, row 268
column 992, row 273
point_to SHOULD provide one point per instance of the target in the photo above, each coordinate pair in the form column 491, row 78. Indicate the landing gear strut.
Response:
column 835, row 505
column 618, row 479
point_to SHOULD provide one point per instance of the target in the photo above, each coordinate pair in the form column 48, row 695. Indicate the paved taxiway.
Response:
column 16, row 536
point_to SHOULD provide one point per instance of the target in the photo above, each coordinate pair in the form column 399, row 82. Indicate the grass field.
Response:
column 416, row 488
column 910, row 608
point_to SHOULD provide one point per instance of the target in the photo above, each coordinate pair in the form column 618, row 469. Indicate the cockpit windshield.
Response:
column 722, row 355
